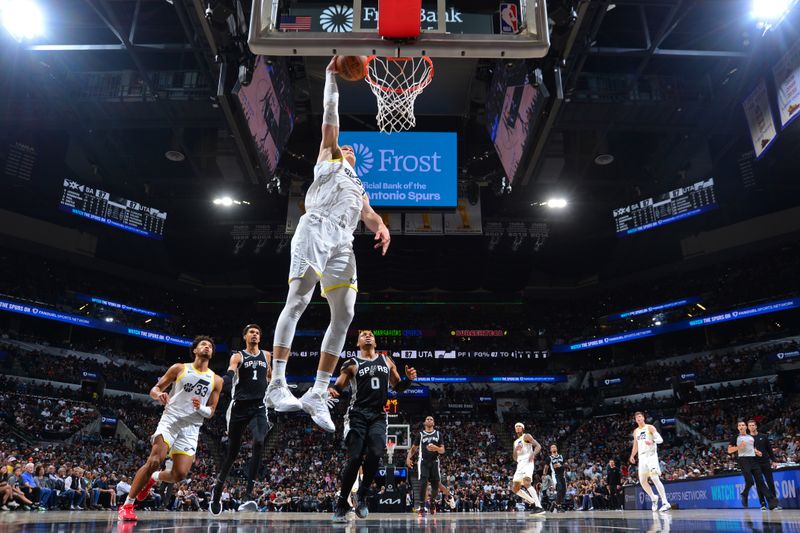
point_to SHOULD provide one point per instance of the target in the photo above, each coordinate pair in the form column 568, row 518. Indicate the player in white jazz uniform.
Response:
column 322, row 251
column 645, row 442
column 194, row 397
column 525, row 451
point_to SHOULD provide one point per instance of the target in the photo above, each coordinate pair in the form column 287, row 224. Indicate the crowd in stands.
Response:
column 531, row 323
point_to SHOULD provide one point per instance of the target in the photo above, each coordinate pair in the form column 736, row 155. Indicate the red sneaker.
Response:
column 126, row 514
column 142, row 496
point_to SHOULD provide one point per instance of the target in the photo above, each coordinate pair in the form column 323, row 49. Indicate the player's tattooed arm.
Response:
column 537, row 448
column 347, row 372
column 158, row 392
column 375, row 224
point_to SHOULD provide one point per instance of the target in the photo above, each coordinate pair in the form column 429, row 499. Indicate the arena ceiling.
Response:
column 657, row 84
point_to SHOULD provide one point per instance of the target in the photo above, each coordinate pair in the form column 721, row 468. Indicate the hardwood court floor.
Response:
column 679, row 521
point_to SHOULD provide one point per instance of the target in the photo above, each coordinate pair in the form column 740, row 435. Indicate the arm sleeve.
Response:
column 657, row 437
column 330, row 100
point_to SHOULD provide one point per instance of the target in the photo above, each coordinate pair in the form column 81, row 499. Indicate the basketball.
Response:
column 351, row 68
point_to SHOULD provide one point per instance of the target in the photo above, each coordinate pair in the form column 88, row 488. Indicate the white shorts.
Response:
column 181, row 438
column 524, row 470
column 327, row 249
column 649, row 465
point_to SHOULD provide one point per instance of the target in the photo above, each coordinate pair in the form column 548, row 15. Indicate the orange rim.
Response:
column 398, row 90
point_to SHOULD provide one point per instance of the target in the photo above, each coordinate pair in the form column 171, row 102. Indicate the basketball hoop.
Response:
column 396, row 82
column 390, row 450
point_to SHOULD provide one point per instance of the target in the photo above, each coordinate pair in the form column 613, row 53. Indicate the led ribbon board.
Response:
column 716, row 318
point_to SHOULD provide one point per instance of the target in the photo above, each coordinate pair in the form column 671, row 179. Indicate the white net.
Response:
column 396, row 82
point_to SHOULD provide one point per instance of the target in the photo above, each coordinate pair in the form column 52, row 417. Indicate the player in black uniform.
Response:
column 430, row 444
column 365, row 426
column 249, row 374
column 554, row 467
column 765, row 457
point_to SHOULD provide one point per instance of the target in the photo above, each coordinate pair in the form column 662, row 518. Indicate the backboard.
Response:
column 450, row 28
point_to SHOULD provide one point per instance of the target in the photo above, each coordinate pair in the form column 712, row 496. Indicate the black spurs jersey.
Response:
column 556, row 472
column 423, row 439
column 370, row 387
column 250, row 383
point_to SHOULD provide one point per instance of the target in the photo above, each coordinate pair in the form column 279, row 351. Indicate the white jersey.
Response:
column 336, row 194
column 524, row 450
column 645, row 450
column 190, row 383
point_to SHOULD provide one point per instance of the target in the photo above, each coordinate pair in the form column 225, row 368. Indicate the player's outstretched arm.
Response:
column 347, row 372
column 397, row 383
column 329, row 147
column 375, row 224
column 158, row 392
column 233, row 368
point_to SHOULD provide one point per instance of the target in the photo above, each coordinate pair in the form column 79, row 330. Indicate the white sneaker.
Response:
column 665, row 507
column 654, row 507
column 281, row 399
column 314, row 404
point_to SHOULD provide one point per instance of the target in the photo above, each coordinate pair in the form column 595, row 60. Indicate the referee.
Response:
column 743, row 445
column 249, row 373
column 764, row 457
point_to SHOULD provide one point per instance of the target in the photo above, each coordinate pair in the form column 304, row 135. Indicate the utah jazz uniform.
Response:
column 323, row 240
column 180, row 423
column 648, row 453
column 524, row 462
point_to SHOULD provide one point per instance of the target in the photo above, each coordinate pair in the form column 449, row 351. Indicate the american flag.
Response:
column 293, row 23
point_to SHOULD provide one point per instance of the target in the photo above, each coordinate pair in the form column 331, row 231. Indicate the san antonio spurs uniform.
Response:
column 323, row 240
column 180, row 423
column 524, row 462
column 648, row 453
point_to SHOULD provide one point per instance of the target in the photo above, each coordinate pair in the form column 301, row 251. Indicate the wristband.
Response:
column 403, row 385
column 204, row 411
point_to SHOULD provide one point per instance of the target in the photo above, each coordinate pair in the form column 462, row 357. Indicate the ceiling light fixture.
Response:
column 22, row 18
column 771, row 10
column 227, row 201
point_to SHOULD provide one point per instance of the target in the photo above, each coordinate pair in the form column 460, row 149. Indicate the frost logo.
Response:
column 364, row 158
column 337, row 19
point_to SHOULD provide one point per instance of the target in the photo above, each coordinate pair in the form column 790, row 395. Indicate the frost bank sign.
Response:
column 412, row 169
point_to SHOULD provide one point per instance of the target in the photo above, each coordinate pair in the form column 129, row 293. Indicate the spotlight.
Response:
column 109, row 319
column 22, row 18
column 556, row 203
column 771, row 10
column 657, row 322
column 227, row 201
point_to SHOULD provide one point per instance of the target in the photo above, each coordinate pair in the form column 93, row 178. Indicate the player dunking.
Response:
column 369, row 375
column 430, row 443
column 525, row 451
column 645, row 442
column 248, row 371
column 194, row 397
column 322, row 250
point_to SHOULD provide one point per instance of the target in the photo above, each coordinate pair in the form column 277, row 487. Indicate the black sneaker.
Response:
column 362, row 511
column 773, row 504
column 538, row 511
column 214, row 507
column 340, row 515
column 744, row 499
